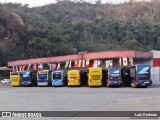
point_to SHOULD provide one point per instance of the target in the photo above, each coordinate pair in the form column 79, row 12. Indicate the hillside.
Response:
column 68, row 27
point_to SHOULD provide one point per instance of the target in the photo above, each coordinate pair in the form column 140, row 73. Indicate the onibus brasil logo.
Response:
column 21, row 114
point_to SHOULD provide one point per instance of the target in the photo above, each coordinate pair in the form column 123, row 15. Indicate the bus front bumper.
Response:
column 95, row 84
column 115, row 83
column 42, row 84
column 15, row 84
column 73, row 84
column 57, row 83
column 143, row 84
column 26, row 83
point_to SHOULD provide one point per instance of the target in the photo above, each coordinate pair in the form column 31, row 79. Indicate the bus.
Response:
column 58, row 78
column 43, row 78
column 137, row 76
column 73, row 78
column 114, row 77
column 15, row 79
column 29, row 78
column 95, row 76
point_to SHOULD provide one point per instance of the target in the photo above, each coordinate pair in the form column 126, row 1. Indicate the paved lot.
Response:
column 79, row 99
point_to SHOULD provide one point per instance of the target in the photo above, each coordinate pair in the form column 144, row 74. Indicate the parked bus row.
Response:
column 134, row 76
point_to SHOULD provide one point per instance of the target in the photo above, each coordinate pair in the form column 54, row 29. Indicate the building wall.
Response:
column 155, row 70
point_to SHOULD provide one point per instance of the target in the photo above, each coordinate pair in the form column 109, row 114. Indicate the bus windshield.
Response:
column 57, row 75
column 14, row 73
column 26, row 76
column 115, row 72
column 42, row 75
column 96, row 72
column 143, row 70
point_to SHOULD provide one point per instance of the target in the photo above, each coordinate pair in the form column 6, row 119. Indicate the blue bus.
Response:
column 140, row 76
column 59, row 78
column 137, row 76
column 43, row 78
column 28, row 78
column 114, row 77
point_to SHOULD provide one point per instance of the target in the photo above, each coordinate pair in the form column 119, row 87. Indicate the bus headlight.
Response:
column 146, row 82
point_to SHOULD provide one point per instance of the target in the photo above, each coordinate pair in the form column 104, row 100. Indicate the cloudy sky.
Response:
column 33, row 3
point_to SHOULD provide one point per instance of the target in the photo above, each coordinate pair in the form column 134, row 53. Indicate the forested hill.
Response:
column 69, row 27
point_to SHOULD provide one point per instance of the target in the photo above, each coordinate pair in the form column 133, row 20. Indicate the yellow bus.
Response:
column 15, row 78
column 73, row 78
column 95, row 76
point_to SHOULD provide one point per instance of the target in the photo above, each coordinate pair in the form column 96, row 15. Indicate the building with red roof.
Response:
column 152, row 58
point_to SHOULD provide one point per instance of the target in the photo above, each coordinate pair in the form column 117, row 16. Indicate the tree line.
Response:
column 70, row 27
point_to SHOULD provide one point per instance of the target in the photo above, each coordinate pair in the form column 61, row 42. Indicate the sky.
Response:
column 33, row 3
